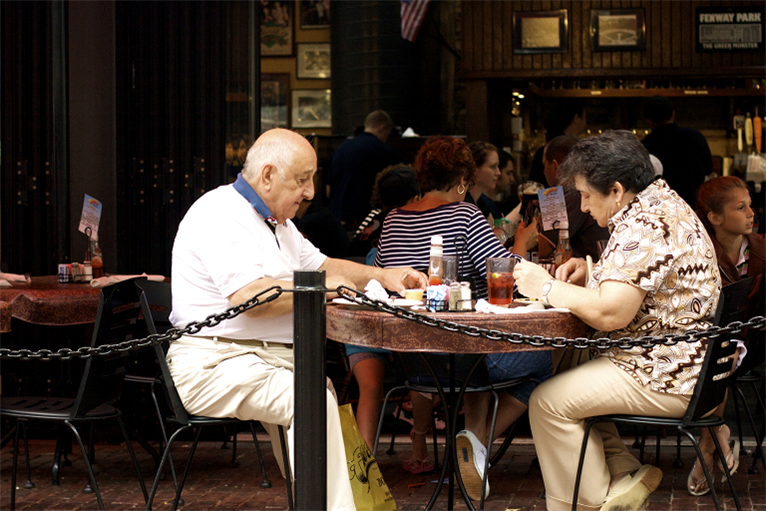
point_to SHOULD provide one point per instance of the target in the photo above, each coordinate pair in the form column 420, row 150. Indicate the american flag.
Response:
column 413, row 12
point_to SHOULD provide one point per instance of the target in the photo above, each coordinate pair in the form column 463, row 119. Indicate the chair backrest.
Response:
column 121, row 317
column 158, row 299
column 717, row 365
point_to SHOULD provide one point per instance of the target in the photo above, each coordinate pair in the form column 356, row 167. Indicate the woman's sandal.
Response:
column 699, row 487
column 415, row 465
column 733, row 453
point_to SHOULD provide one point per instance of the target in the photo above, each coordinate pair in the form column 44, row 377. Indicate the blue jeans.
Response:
column 536, row 365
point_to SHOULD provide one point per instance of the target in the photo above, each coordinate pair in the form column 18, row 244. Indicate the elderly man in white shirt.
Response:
column 234, row 242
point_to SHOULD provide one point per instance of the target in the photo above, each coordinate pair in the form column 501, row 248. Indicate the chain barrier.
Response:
column 601, row 343
column 151, row 340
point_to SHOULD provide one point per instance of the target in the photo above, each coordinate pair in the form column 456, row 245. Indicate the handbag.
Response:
column 371, row 493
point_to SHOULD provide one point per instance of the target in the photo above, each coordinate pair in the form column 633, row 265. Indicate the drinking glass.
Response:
column 500, row 280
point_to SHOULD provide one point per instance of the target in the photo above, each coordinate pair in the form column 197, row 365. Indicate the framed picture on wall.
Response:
column 540, row 32
column 315, row 14
column 274, row 89
column 277, row 22
column 311, row 108
column 313, row 61
column 618, row 30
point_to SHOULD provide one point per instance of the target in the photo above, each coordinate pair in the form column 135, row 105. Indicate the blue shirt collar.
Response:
column 244, row 189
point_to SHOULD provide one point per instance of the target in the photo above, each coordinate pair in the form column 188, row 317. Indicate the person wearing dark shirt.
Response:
column 355, row 164
column 567, row 117
column 684, row 152
column 322, row 229
column 584, row 232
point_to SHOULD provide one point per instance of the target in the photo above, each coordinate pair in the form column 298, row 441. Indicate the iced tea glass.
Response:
column 500, row 280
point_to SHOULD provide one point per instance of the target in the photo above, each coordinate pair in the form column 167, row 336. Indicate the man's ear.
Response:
column 268, row 175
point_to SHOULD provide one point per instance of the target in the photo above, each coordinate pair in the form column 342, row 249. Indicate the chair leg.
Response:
column 657, row 448
column 436, row 444
column 57, row 453
column 91, row 457
column 583, row 449
column 86, row 458
column 678, row 462
column 757, row 452
column 719, row 451
column 15, row 465
column 180, row 487
column 701, row 458
column 265, row 483
column 133, row 457
column 737, row 396
column 380, row 422
column 234, row 463
column 288, row 471
column 643, row 445
column 165, row 457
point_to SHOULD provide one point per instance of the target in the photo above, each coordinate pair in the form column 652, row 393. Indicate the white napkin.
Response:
column 409, row 132
column 113, row 279
column 483, row 305
column 375, row 290
column 5, row 283
column 14, row 277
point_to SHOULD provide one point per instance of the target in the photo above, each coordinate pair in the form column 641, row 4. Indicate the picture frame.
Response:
column 618, row 29
column 315, row 14
column 311, row 108
column 313, row 61
column 277, row 28
column 274, row 92
column 540, row 32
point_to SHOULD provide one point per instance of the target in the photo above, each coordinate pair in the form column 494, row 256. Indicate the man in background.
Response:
column 354, row 165
column 684, row 152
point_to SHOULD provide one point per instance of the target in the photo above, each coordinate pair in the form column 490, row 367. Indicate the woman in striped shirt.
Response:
column 445, row 169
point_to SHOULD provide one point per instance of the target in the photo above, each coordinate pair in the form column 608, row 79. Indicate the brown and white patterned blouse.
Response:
column 660, row 246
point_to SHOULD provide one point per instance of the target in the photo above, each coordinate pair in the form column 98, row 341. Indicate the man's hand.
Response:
column 334, row 282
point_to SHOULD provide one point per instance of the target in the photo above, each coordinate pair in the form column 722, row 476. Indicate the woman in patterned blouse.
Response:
column 657, row 274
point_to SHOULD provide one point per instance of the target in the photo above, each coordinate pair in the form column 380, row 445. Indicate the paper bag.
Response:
column 371, row 492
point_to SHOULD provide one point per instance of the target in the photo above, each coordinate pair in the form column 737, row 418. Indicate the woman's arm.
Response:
column 610, row 307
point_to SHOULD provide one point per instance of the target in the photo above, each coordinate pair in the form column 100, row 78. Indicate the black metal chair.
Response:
column 118, row 319
column 158, row 299
column 468, row 374
column 708, row 393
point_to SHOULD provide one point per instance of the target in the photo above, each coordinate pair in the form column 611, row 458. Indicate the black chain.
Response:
column 602, row 343
column 151, row 340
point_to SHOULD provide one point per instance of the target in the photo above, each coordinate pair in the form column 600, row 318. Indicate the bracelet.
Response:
column 546, row 290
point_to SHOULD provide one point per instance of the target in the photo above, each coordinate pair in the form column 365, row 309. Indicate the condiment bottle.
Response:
column 499, row 231
column 96, row 260
column 435, row 268
column 563, row 249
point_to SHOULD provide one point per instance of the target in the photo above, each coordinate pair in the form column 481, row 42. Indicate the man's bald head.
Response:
column 277, row 147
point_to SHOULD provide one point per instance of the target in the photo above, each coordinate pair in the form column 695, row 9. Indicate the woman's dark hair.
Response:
column 394, row 186
column 441, row 162
column 606, row 159
column 713, row 195
column 480, row 151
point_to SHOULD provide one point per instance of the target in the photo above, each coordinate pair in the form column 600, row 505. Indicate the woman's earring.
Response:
column 461, row 192
column 619, row 205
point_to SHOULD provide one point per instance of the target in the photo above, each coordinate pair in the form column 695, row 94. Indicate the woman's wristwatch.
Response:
column 546, row 290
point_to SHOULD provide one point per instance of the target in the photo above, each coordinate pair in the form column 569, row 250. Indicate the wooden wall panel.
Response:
column 488, row 42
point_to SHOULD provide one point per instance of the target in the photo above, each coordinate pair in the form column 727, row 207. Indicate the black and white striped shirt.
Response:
column 406, row 240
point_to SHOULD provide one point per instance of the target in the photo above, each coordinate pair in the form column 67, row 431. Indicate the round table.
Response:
column 44, row 301
column 363, row 326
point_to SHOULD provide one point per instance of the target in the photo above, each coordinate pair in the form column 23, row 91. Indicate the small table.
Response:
column 367, row 327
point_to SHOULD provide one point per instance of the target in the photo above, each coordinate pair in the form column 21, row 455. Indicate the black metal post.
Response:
column 310, row 402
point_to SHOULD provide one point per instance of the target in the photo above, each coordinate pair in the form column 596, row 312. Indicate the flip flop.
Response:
column 418, row 465
column 694, row 486
column 733, row 452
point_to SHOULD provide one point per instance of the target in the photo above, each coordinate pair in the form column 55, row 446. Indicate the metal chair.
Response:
column 157, row 299
column 708, row 393
column 459, row 373
column 118, row 319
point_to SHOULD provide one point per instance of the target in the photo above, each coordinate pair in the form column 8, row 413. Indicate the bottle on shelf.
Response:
column 563, row 249
column 435, row 268
column 500, row 231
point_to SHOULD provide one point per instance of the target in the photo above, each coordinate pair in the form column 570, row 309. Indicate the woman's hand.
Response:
column 526, row 237
column 530, row 279
column 574, row 271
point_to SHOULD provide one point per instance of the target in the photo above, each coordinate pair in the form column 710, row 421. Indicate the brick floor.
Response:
column 214, row 485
